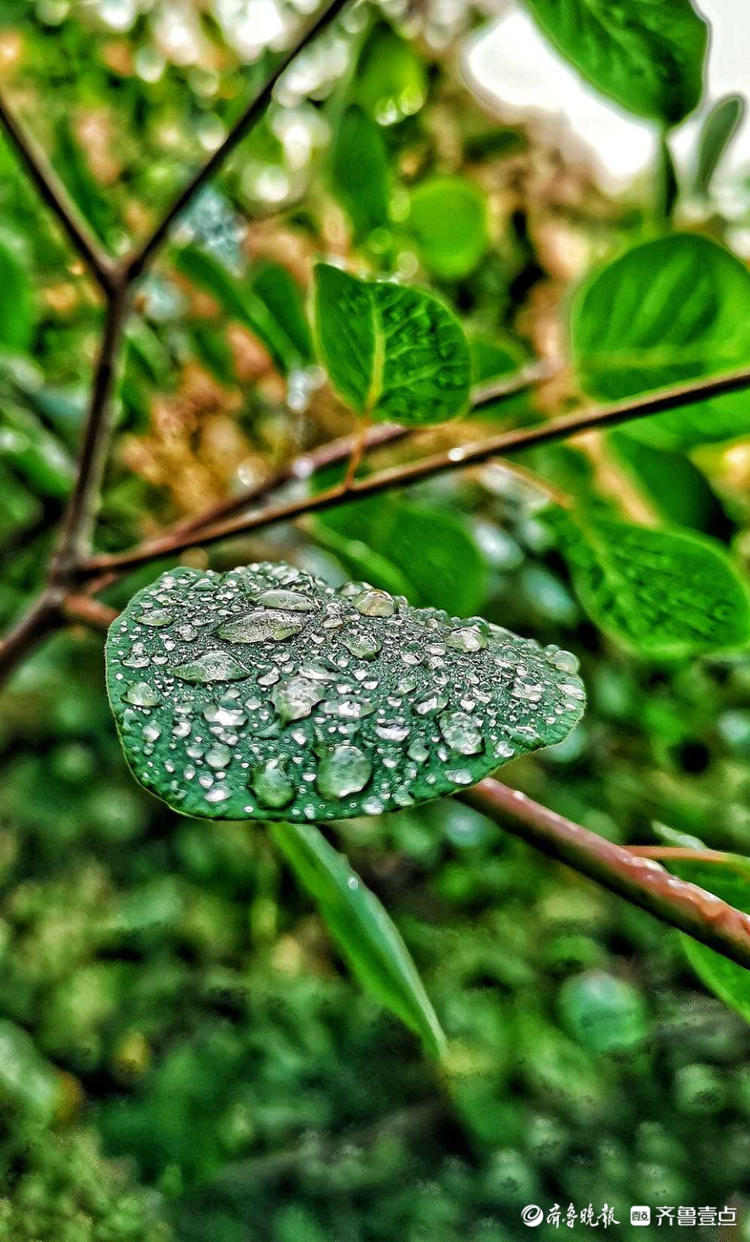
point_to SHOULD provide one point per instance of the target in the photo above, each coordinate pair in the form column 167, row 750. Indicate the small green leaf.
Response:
column 664, row 593
column 359, row 171
column 392, row 352
column 649, row 57
column 264, row 693
column 16, row 307
column 280, row 294
column 362, row 929
column 673, row 483
column 665, row 312
column 448, row 217
column 238, row 302
column 729, row 879
column 717, row 132
column 389, row 81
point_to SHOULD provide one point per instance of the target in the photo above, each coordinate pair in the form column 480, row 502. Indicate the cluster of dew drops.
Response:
column 264, row 692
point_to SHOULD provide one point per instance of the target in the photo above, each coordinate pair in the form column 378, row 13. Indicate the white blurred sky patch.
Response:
column 516, row 69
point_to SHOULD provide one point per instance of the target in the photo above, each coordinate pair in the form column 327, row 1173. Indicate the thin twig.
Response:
column 24, row 637
column 135, row 263
column 90, row 611
column 514, row 441
column 641, row 881
column 81, row 510
column 54, row 194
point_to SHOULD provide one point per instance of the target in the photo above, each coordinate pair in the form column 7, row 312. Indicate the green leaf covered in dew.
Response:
column 359, row 171
column 662, row 593
column 649, row 57
column 726, row 876
column 362, row 929
column 665, row 312
column 392, row 353
column 448, row 219
column 264, row 693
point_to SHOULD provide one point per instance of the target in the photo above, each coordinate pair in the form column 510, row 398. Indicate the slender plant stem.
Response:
column 91, row 612
column 81, row 511
column 135, row 263
column 40, row 618
column 508, row 442
column 641, row 881
column 53, row 193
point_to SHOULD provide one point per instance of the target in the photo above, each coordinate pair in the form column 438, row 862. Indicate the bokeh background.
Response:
column 182, row 1054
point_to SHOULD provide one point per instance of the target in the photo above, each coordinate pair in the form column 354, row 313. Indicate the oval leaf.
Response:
column 662, row 592
column 264, row 693
column 359, row 171
column 717, row 132
column 649, row 57
column 362, row 929
column 665, row 312
column 391, row 352
column 448, row 217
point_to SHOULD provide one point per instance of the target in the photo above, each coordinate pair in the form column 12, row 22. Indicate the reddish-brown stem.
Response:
column 641, row 881
column 92, row 612
column 41, row 617
column 507, row 442
column 53, row 193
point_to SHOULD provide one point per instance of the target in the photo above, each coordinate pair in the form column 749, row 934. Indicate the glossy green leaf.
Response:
column 362, row 929
column 717, row 132
column 729, row 879
column 450, row 571
column 264, row 693
column 680, row 492
column 16, row 305
column 392, row 352
column 237, row 301
column 448, row 218
column 37, row 455
column 665, row 312
column 649, row 57
column 359, row 171
column 663, row 593
column 389, row 82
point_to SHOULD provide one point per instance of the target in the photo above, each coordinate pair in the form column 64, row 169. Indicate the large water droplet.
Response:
column 363, row 646
column 375, row 604
column 272, row 784
column 296, row 697
column 461, row 733
column 342, row 771
column 140, row 694
column 291, row 601
column 262, row 625
column 467, row 638
column 156, row 617
column 211, row 666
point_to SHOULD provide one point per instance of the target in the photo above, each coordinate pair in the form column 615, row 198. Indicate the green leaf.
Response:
column 663, row 593
column 448, row 217
column 237, row 302
column 729, row 879
column 264, row 693
column 450, row 571
column 392, row 352
column 717, row 132
column 665, row 312
column 16, row 306
column 34, row 452
column 649, row 57
column 280, row 294
column 389, row 82
column 362, row 928
column 359, row 171
column 671, row 481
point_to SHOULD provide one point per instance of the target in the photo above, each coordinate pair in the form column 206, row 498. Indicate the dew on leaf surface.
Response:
column 269, row 694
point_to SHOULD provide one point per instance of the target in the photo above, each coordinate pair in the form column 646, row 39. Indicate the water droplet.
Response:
column 295, row 698
column 467, row 638
column 342, row 771
column 363, row 646
column 461, row 733
column 262, row 625
column 374, row 603
column 218, row 757
column 272, row 784
column 141, row 694
column 156, row 617
column 291, row 601
column 211, row 666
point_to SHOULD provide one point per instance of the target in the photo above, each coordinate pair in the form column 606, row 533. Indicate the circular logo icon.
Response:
column 532, row 1215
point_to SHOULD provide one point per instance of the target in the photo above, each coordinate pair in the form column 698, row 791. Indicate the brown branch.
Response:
column 81, row 510
column 88, row 611
column 41, row 617
column 53, row 193
column 639, row 880
column 134, row 264
column 580, row 421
